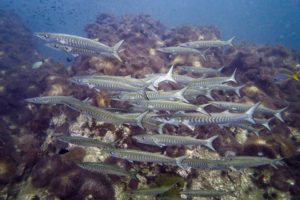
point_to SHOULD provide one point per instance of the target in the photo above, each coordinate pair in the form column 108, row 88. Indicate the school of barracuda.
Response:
column 152, row 109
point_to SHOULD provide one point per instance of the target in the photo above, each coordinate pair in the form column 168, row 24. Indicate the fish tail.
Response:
column 278, row 161
column 250, row 113
column 201, row 110
column 180, row 95
column 230, row 41
column 237, row 90
column 220, row 69
column 169, row 75
column 208, row 95
column 278, row 113
column 232, row 77
column 267, row 123
column 209, row 142
column 116, row 50
column 179, row 160
column 139, row 119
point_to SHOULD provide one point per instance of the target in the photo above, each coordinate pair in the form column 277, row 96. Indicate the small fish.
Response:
column 206, row 83
column 38, row 64
column 173, row 140
column 151, row 191
column 241, row 107
column 233, row 162
column 180, row 50
column 106, row 169
column 164, row 105
column 202, row 70
column 86, row 142
column 286, row 76
column 207, row 43
column 206, row 193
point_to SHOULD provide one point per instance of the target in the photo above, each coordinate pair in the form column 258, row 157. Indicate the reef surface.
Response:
column 34, row 165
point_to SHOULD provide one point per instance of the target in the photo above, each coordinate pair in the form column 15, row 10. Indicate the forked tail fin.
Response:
column 209, row 142
column 230, row 41
column 278, row 113
column 250, row 113
column 232, row 77
column 116, row 50
column 237, row 90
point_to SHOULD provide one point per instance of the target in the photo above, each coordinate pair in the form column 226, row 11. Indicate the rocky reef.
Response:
column 34, row 165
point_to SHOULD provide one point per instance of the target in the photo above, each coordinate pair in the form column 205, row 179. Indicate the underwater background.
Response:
column 40, row 156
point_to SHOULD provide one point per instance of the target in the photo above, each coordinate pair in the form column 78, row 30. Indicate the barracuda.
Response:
column 202, row 70
column 141, row 156
column 70, row 40
column 184, row 95
column 180, row 50
column 105, row 84
column 206, row 83
column 241, row 107
column 86, row 142
column 193, row 119
column 106, row 169
column 207, row 43
column 166, row 106
column 173, row 140
column 160, row 95
column 227, row 88
column 51, row 99
column 76, row 43
column 235, row 163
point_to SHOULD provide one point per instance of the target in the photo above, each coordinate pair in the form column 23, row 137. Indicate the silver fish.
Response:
column 107, row 85
column 206, row 83
column 77, row 44
column 180, row 50
column 235, row 163
column 70, row 40
column 104, row 115
column 193, row 119
column 241, row 107
column 173, row 140
column 227, row 88
column 141, row 156
column 202, row 70
column 164, row 105
column 75, row 51
column 86, row 142
column 106, row 169
column 151, row 95
column 207, row 43
column 51, row 99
